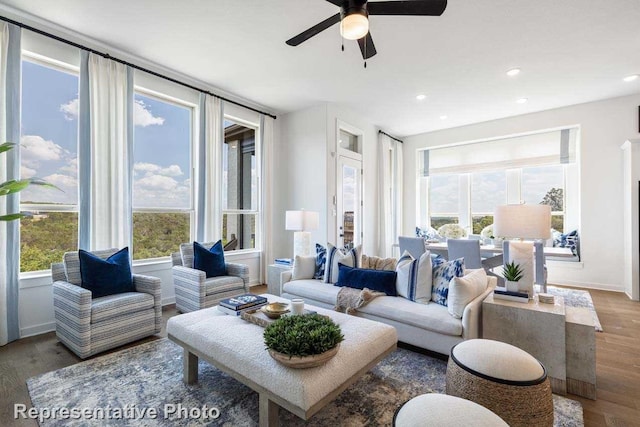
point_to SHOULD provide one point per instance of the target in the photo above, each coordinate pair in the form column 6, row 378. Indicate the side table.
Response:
column 273, row 277
column 537, row 328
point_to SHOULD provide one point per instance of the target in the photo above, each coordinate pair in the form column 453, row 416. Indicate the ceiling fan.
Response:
column 354, row 19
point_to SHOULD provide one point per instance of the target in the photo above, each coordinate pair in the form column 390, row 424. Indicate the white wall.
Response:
column 306, row 172
column 605, row 125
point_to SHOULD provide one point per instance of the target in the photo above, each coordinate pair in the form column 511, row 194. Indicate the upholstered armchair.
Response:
column 194, row 291
column 87, row 325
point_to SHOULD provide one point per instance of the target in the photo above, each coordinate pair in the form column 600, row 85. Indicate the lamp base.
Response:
column 301, row 244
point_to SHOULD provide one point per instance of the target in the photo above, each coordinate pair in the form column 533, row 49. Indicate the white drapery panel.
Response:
column 540, row 149
column 213, row 159
column 10, row 72
column 111, row 101
column 266, row 143
column 390, row 193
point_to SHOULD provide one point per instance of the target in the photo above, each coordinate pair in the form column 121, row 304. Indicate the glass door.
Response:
column 349, row 202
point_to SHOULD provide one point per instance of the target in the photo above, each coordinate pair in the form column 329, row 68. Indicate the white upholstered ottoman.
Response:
column 502, row 378
column 440, row 410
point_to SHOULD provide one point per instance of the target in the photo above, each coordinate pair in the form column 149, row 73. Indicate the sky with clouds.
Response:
column 162, row 135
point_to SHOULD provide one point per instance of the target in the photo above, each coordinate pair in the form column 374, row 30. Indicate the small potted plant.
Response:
column 512, row 273
column 303, row 341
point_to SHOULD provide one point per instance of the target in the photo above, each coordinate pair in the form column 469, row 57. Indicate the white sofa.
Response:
column 429, row 326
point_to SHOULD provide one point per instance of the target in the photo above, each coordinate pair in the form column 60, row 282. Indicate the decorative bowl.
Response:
column 297, row 362
column 275, row 309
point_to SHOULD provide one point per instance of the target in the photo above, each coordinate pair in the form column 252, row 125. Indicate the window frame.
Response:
column 63, row 67
column 258, row 210
column 161, row 97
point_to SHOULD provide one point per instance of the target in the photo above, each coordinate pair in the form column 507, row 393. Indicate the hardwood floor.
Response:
column 618, row 364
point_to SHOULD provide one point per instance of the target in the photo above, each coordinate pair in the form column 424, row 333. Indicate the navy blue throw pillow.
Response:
column 106, row 276
column 211, row 261
column 360, row 278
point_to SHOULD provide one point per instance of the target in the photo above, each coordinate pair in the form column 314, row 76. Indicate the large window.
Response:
column 545, row 185
column 49, row 150
column 444, row 200
column 488, row 190
column 162, row 179
column 240, row 191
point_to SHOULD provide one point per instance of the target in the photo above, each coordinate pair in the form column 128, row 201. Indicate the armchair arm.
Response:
column 72, row 308
column 58, row 272
column 153, row 286
column 472, row 314
column 239, row 270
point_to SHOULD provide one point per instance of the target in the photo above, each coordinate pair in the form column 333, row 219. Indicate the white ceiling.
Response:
column 570, row 52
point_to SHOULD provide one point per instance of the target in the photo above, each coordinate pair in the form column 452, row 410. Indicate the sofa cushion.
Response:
column 321, row 261
column 337, row 256
column 211, row 261
column 463, row 290
column 443, row 271
column 414, row 277
column 377, row 263
column 313, row 289
column 111, row 306
column 432, row 317
column 360, row 278
column 106, row 276
column 304, row 267
column 215, row 285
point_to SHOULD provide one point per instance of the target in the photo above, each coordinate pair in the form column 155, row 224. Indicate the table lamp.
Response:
column 301, row 222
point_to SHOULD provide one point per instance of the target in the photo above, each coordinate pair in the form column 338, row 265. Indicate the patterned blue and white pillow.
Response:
column 413, row 277
column 321, row 261
column 336, row 256
column 568, row 240
column 443, row 271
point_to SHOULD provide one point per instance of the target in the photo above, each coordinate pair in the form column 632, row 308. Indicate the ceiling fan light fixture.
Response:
column 354, row 26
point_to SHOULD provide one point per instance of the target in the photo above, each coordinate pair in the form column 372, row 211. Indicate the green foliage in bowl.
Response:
column 302, row 335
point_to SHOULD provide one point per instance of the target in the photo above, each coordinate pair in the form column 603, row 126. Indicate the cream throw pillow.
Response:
column 414, row 279
column 304, row 267
column 463, row 290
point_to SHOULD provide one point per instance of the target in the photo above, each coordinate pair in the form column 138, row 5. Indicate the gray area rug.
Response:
column 150, row 376
column 577, row 298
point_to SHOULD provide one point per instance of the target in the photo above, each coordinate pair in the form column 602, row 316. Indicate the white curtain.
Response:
column 266, row 146
column 390, row 193
column 111, row 103
column 10, row 51
column 214, row 131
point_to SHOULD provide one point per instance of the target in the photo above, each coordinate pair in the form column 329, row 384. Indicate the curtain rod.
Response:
column 137, row 67
column 390, row 136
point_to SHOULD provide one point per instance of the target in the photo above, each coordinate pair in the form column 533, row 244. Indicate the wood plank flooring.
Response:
column 618, row 364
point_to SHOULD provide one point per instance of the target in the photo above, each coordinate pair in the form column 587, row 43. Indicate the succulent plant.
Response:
column 512, row 271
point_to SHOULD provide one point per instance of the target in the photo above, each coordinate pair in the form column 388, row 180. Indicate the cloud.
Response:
column 26, row 172
column 143, row 117
column 157, row 182
column 36, row 149
column 70, row 109
column 71, row 167
column 152, row 169
column 62, row 181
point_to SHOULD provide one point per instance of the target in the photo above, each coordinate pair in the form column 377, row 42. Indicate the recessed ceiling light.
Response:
column 631, row 78
column 421, row 97
column 513, row 72
column 522, row 100
column 443, row 117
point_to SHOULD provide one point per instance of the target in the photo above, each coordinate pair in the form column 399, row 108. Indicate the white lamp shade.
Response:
column 522, row 221
column 354, row 26
column 302, row 220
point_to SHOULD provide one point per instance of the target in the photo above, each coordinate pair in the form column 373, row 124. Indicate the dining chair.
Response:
column 414, row 245
column 467, row 249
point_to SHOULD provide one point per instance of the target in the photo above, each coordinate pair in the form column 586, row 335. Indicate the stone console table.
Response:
column 561, row 338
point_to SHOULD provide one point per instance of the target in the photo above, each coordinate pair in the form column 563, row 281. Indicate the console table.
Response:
column 561, row 338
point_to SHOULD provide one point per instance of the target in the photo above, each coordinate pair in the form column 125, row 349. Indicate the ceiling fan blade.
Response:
column 316, row 29
column 367, row 47
column 415, row 7
column 336, row 2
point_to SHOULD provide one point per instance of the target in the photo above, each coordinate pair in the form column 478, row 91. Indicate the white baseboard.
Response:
column 37, row 329
column 587, row 285
column 168, row 301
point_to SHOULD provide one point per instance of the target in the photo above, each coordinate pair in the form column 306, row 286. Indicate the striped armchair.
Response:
column 87, row 325
column 194, row 291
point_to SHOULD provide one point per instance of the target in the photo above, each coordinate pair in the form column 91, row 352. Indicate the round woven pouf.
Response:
column 502, row 378
column 440, row 410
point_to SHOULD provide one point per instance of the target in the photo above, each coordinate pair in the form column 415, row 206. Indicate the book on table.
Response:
column 241, row 302
column 233, row 312
column 511, row 296
column 284, row 261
